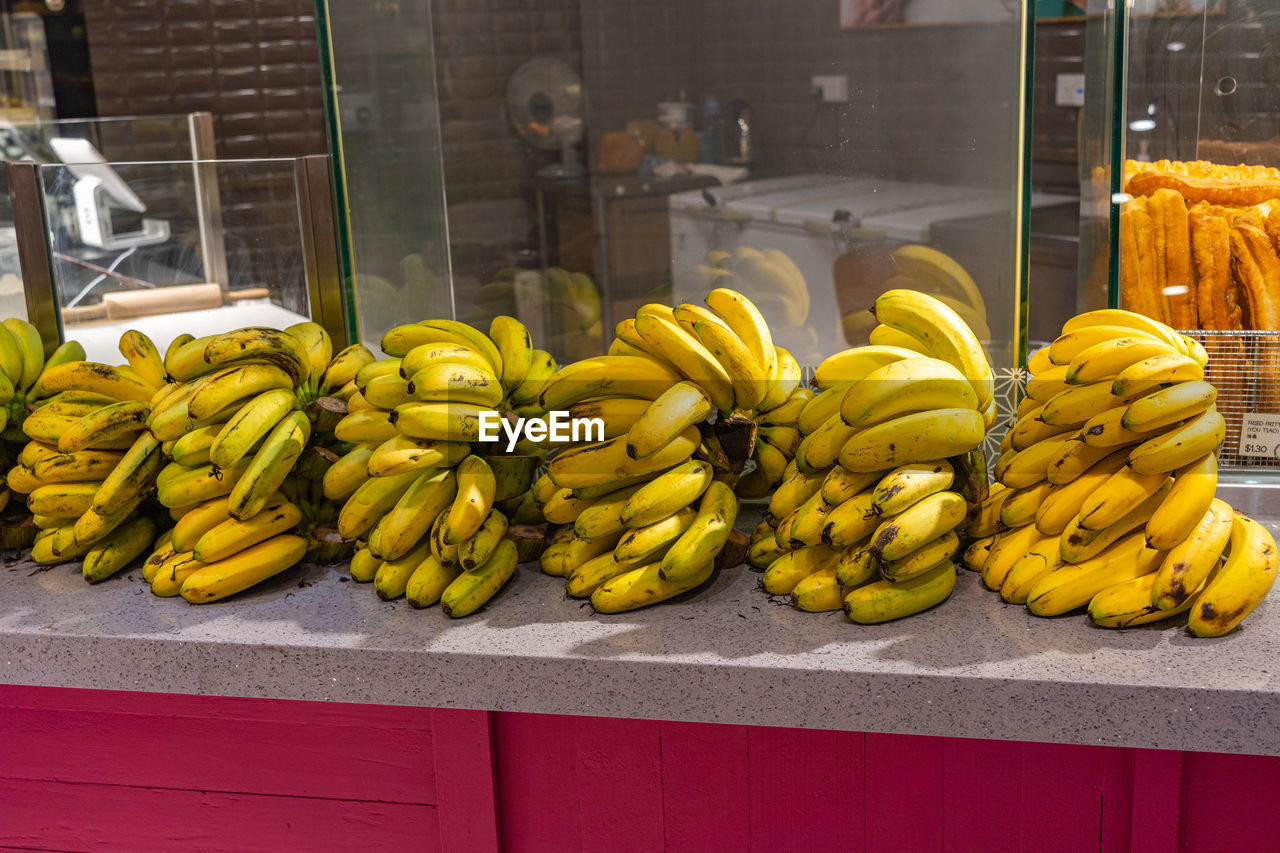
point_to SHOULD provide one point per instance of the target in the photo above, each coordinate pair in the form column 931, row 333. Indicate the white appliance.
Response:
column 814, row 219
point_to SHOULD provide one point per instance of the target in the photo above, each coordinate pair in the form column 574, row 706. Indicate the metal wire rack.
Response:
column 1245, row 368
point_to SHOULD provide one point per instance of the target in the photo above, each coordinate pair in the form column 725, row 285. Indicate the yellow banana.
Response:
column 1180, row 446
column 250, row 425
column 410, row 519
column 193, row 448
column 258, row 344
column 1079, row 403
column 922, row 435
column 850, row 522
column 27, row 340
column 475, row 552
column 818, row 593
column 687, row 314
column 1031, row 466
column 1029, row 569
column 788, row 570
column 214, row 581
column 746, row 375
column 922, row 559
column 810, row 520
column 1006, row 549
column 640, row 543
column 1117, row 318
column 515, row 348
column 234, row 384
column 1151, row 373
column 607, row 461
column 1167, row 406
column 1239, row 586
column 270, row 466
column 364, row 566
column 144, row 358
column 1070, row 586
column 197, row 485
column 367, row 426
column 349, row 472
column 1194, row 486
column 1107, row 430
column 747, row 323
column 1188, row 564
column 689, row 356
column 643, row 586
column 391, row 580
column 199, row 521
column 705, row 537
column 163, row 551
column 428, row 582
column 1122, row 491
column 77, row 467
column 447, row 382
column 1075, row 457
column 233, row 535
column 170, row 575
column 472, row 502
column 185, row 361
column 785, row 380
column 675, row 410
column 117, row 550
column 943, row 332
column 118, row 382
column 887, row 336
column 975, row 556
column 318, row 346
column 667, row 494
column 1048, row 384
column 62, row 500
column 583, row 580
column 1079, row 544
column 389, row 391
column 908, row 484
column 470, row 590
column 1019, row 508
column 441, row 421
column 819, row 450
column 922, row 522
column 838, row 486
column 1106, row 359
column 605, row 376
column 402, row 454
column 852, row 365
column 883, row 601
column 1070, row 344
column 618, row 414
column 911, row 385
column 542, row 369
column 400, row 340
column 1128, row 604
column 1063, row 502
column 343, row 368
column 984, row 521
column 1030, row 429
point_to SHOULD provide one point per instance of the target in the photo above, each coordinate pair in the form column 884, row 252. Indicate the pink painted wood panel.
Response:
column 904, row 793
column 799, row 783
column 1061, row 797
column 53, row 815
column 468, row 798
column 1229, row 803
column 705, row 786
column 977, row 775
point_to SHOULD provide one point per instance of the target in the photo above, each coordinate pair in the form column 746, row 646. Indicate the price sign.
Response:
column 1260, row 435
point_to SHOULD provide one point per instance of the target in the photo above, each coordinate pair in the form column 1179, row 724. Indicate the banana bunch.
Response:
column 1107, row 484
column 886, row 472
column 926, row 269
column 646, row 513
column 232, row 425
column 430, row 515
column 90, row 464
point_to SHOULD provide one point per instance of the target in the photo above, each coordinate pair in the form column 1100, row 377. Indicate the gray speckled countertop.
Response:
column 973, row 667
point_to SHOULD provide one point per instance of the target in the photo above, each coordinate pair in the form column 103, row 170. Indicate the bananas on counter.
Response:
column 887, row 470
column 1107, row 484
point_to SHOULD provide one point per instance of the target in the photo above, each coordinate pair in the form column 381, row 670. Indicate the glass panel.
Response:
column 384, row 121
column 135, row 245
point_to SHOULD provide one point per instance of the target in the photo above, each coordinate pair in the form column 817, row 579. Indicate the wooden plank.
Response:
column 851, row 791
column 795, row 781
column 536, row 782
column 983, row 803
column 109, row 817
column 464, row 767
column 1117, row 799
column 1061, row 797
column 904, row 793
column 618, row 783
column 1227, row 802
column 705, row 786
column 1157, row 795
column 359, row 758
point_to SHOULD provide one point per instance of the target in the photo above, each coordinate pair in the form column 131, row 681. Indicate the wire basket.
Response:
column 1245, row 368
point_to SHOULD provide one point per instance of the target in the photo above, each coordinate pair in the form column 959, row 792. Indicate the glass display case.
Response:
column 172, row 247
column 1183, row 182
column 597, row 156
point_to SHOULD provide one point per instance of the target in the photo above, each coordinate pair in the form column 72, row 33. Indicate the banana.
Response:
column 577, row 552
column 883, row 601
column 11, row 359
column 937, row 268
column 1027, row 407
column 984, row 520
column 470, row 590
column 667, row 494
column 214, row 581
column 34, row 452
column 258, row 344
column 1167, row 406
column 1071, row 586
column 822, row 406
column 402, row 454
column 118, row 382
column 810, row 520
column 475, row 552
column 640, row 543
column 747, row 323
column 583, row 580
column 838, row 486
column 1038, row 362
column 795, row 488
column 1044, row 386
column 705, row 537
column 921, row 559
column 367, row 426
column 409, row 521
column 922, row 435
column 250, row 425
column 975, row 556
column 428, row 582
column 764, row 549
column 381, row 367
column 785, row 438
column 235, row 384
column 473, row 500
column 1240, row 584
column 364, row 566
column 1079, row 544
column 603, row 462
column 144, row 358
column 200, row 520
column 603, row 518
column 819, row 450
column 232, row 535
column 689, row 356
column 1106, row 431
column 687, row 314
column 1064, row 500
column 350, row 471
column 907, row 485
column 343, row 368
column 1188, row 564
column 389, row 391
column 852, row 365
column 564, row 507
column 64, row 353
column 192, row 449
column 849, row 523
column 887, row 336
column 170, row 575
column 675, row 410
column 542, row 369
column 439, row 421
column 786, row 413
column 1019, row 508
column 318, row 346
column 784, row 381
column 788, row 570
column 185, row 361
column 391, row 580
column 1128, row 604
column 270, row 465
column 132, row 476
column 1030, row 430
column 400, row 340
column 1106, row 359
column 1070, row 344
column 922, row 522
column 1119, row 318
column 943, row 332
column 1079, row 403
column 46, row 426
column 197, row 485
column 77, row 467
column 1006, row 549
column 27, row 340
column 444, row 381
column 1122, row 491
column 1031, row 466
column 747, row 376
column 117, row 550
column 62, row 500
column 1151, row 373
column 163, row 551
column 818, row 593
column 856, row 566
column 1029, row 569
column 1192, row 494
column 22, row 480
column 643, row 586
column 1075, row 457
column 911, row 385
column 1180, row 446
